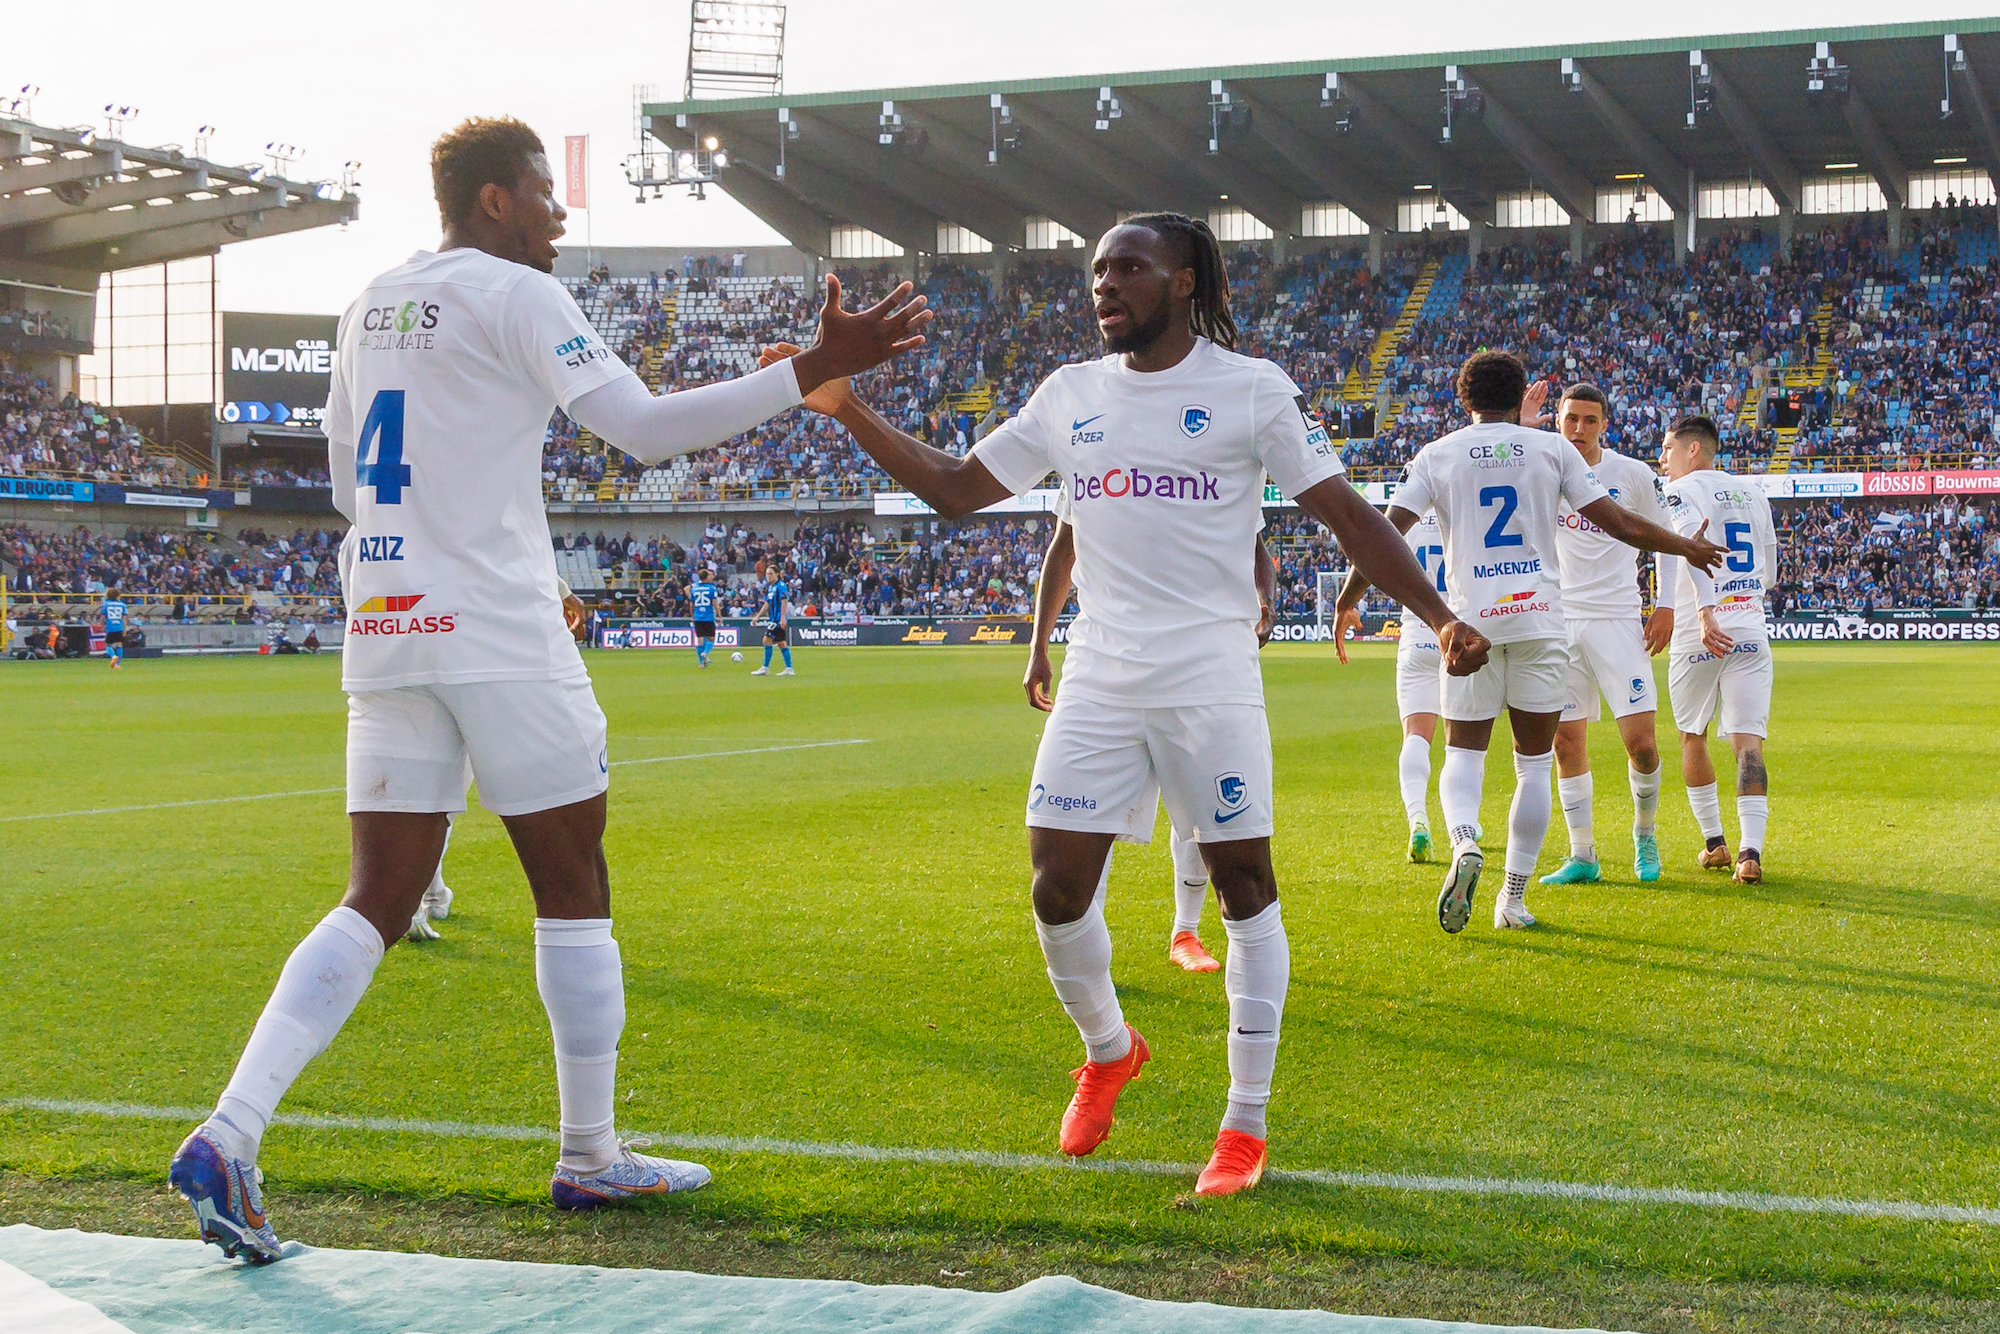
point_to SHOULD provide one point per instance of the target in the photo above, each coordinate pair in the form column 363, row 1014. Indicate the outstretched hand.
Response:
column 1702, row 552
column 1531, row 405
column 1464, row 648
column 850, row 343
column 828, row 398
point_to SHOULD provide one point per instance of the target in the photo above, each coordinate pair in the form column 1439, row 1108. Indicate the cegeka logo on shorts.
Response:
column 1513, row 604
column 1042, row 796
column 1118, row 483
column 384, row 616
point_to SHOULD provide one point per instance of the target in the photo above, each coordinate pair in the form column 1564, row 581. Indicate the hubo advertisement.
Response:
column 276, row 368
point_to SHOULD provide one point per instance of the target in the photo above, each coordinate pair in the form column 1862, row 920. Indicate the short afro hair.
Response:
column 1583, row 391
column 481, row 151
column 1699, row 427
column 1492, row 382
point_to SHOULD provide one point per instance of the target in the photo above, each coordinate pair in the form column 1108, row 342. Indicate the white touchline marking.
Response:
column 1750, row 1201
column 322, row 791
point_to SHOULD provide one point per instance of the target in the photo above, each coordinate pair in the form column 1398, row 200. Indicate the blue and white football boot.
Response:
column 629, row 1176
column 228, row 1204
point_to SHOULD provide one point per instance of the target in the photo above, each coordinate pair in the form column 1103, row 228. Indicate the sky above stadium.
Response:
column 377, row 81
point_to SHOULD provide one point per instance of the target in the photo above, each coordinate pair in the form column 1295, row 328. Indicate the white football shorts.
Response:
column 1419, row 669
column 1105, row 769
column 531, row 746
column 1608, row 661
column 1531, row 675
column 1739, row 685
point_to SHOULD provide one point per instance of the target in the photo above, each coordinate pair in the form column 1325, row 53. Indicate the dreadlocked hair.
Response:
column 1210, row 316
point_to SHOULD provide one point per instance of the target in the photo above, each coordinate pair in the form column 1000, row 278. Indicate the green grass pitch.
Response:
column 835, row 945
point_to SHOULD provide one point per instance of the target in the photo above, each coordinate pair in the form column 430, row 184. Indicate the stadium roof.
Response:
column 1617, row 113
column 75, row 204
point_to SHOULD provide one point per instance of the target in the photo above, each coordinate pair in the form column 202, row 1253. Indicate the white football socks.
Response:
column 582, row 981
column 1576, row 793
column 1413, row 774
column 1078, row 955
column 1190, row 882
column 1707, row 808
column 1528, row 817
column 1751, row 814
column 318, row 989
column 1645, row 799
column 1461, row 784
column 1255, row 979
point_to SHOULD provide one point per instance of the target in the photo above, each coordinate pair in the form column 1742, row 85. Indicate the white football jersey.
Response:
column 1600, row 574
column 447, row 371
column 1739, row 518
column 1496, row 488
column 1426, row 543
column 1164, row 474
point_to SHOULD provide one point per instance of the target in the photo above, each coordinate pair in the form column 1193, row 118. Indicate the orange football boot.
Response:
column 1186, row 950
column 1086, row 1122
column 1715, row 858
column 1749, row 869
column 1237, row 1164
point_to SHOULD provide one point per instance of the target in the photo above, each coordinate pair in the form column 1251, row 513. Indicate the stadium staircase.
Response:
column 1805, row 377
column 1361, row 387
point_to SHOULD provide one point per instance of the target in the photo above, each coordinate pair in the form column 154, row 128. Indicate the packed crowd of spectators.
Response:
column 43, row 432
column 1850, row 556
column 170, row 563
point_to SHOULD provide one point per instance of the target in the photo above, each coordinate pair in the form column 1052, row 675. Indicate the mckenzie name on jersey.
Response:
column 1497, row 488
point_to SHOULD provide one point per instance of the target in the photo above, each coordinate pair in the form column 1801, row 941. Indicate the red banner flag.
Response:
column 576, row 167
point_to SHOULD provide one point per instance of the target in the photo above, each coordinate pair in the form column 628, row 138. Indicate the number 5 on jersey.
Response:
column 383, row 431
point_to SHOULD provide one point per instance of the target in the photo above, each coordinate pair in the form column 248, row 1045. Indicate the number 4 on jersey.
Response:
column 383, row 428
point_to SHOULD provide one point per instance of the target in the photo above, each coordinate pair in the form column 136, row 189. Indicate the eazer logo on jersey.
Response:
column 384, row 616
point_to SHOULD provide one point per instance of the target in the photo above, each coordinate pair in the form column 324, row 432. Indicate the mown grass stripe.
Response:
column 1746, row 1201
column 322, row 791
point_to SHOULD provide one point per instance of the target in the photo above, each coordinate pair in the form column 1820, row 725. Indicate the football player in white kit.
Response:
column 1721, row 666
column 1052, row 590
column 1163, row 447
column 1609, row 653
column 1496, row 486
column 1419, row 681
column 457, row 662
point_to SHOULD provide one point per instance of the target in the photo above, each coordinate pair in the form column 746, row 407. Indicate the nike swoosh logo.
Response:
column 1220, row 818
column 1253, row 1032
column 1079, row 425
column 1194, row 884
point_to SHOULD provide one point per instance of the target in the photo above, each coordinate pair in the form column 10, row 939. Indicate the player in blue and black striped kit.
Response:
column 704, row 595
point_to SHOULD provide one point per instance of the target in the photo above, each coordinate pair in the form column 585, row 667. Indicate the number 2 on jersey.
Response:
column 383, row 427
column 1742, row 556
column 1508, row 501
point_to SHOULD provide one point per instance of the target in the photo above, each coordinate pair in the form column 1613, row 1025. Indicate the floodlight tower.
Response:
column 736, row 48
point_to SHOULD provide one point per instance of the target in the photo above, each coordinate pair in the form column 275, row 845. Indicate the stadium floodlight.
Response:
column 736, row 48
column 1462, row 97
column 1227, row 117
column 350, row 175
column 1108, row 109
column 1954, row 59
column 788, row 129
column 115, row 116
column 282, row 157
column 1825, row 76
column 22, row 103
column 1007, row 136
column 1333, row 98
column 202, row 134
column 1572, row 77
column 1701, row 89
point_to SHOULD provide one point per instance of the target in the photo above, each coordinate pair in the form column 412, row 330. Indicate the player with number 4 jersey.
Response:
column 457, row 661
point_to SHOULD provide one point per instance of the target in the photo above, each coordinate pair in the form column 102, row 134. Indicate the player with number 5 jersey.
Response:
column 458, row 664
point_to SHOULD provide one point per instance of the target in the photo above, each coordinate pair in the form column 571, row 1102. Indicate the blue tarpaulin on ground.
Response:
column 90, row 1283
